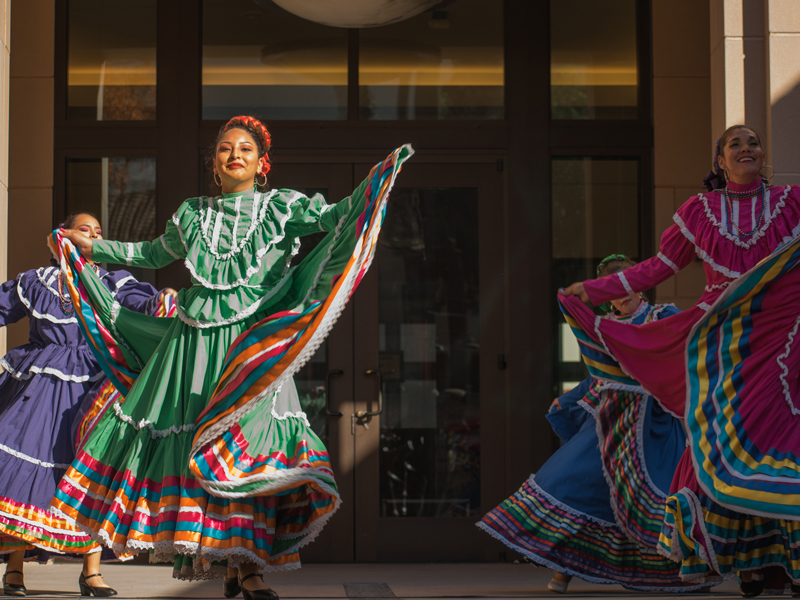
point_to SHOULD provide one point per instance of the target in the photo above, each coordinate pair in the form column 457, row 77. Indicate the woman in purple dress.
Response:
column 41, row 390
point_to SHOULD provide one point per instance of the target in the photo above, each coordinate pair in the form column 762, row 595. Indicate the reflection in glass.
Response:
column 111, row 48
column 121, row 192
column 441, row 64
column 259, row 59
column 595, row 213
column 429, row 354
column 593, row 65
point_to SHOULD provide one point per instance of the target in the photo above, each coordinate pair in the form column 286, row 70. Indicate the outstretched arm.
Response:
column 676, row 252
column 150, row 255
column 11, row 307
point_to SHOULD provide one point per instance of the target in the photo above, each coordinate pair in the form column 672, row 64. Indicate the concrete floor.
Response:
column 327, row 581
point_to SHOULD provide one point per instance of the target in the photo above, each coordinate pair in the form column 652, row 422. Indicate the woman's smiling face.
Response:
column 236, row 160
column 742, row 156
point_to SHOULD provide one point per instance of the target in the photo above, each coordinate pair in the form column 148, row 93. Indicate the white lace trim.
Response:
column 587, row 407
column 769, row 215
column 46, row 276
column 259, row 211
column 625, row 283
column 35, row 370
column 167, row 248
column 259, row 255
column 718, row 286
column 668, row 262
column 32, row 460
column 144, row 423
column 362, row 261
column 785, row 370
column 36, row 314
column 243, row 314
column 292, row 254
column 702, row 253
column 37, row 524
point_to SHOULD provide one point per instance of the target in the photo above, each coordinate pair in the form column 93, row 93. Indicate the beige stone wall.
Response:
column 682, row 123
column 30, row 134
column 5, row 60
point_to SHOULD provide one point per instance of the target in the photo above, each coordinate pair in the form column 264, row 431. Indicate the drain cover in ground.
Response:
column 368, row 590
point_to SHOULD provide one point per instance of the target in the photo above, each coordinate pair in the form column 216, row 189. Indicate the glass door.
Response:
column 428, row 361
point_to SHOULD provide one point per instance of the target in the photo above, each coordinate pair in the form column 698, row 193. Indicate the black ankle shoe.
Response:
column 231, row 587
column 12, row 589
column 267, row 594
column 795, row 590
column 752, row 588
column 90, row 590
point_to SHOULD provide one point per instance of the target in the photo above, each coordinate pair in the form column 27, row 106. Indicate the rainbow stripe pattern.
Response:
column 743, row 397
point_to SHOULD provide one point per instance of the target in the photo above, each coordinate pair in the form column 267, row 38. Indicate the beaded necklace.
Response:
column 742, row 196
column 65, row 299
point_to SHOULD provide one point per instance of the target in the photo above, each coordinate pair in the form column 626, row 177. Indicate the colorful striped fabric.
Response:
column 25, row 526
column 552, row 534
column 710, row 540
column 743, row 400
column 120, row 364
column 637, row 503
column 596, row 356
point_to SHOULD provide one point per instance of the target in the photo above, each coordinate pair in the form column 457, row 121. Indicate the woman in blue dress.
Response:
column 594, row 510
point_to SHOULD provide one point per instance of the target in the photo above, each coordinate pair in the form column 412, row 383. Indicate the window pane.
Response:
column 441, row 64
column 121, row 192
column 595, row 213
column 429, row 328
column 111, row 60
column 593, row 66
column 259, row 59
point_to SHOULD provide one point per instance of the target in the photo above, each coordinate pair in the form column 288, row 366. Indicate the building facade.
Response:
column 549, row 134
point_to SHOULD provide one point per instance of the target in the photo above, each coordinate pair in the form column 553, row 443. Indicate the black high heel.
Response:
column 267, row 594
column 795, row 587
column 12, row 589
column 90, row 590
column 231, row 587
column 752, row 588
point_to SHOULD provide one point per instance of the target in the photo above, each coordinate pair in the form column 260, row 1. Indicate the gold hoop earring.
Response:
column 217, row 180
column 265, row 180
column 771, row 172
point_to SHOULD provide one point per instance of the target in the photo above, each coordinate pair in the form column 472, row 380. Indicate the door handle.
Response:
column 331, row 413
column 365, row 416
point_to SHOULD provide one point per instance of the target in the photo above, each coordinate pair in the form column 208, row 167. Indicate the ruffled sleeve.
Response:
column 11, row 307
column 676, row 252
column 135, row 295
column 150, row 255
column 312, row 215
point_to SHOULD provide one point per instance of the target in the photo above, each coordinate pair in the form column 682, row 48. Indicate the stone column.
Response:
column 30, row 173
column 681, row 124
column 782, row 89
column 5, row 62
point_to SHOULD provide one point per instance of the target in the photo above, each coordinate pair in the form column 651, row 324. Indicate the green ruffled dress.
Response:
column 131, row 486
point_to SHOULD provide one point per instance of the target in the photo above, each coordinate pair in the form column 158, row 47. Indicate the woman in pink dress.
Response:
column 725, row 365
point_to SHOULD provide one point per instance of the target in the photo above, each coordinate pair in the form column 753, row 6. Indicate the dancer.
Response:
column 210, row 463
column 41, row 392
column 595, row 511
column 726, row 364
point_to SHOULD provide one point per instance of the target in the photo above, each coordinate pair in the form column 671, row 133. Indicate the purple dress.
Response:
column 41, row 391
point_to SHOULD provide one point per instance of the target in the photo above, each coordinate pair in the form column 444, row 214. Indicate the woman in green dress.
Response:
column 210, row 462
